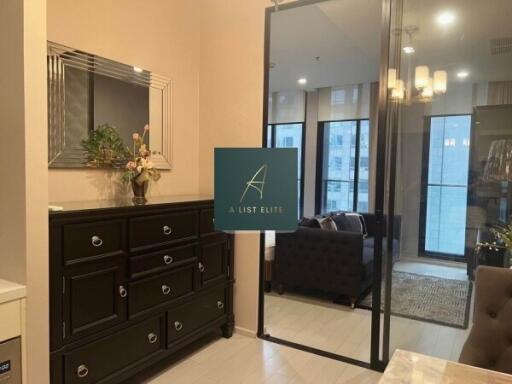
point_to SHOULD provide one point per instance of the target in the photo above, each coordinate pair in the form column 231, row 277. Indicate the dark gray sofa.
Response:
column 337, row 262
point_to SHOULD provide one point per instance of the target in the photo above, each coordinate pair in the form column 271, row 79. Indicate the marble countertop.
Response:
column 10, row 291
column 73, row 206
column 413, row 368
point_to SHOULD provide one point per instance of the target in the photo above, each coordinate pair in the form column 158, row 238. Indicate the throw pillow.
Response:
column 327, row 223
column 364, row 231
column 348, row 221
column 309, row 222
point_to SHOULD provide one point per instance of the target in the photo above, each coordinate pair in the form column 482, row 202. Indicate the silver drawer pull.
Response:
column 178, row 326
column 166, row 289
column 82, row 371
column 168, row 259
column 167, row 230
column 122, row 291
column 220, row 304
column 96, row 241
column 201, row 267
column 152, row 338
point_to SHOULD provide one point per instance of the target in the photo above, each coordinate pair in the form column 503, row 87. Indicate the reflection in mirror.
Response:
column 87, row 92
column 323, row 98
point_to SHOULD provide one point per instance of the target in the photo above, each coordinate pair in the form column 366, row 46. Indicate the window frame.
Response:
column 272, row 126
column 320, row 191
column 422, row 252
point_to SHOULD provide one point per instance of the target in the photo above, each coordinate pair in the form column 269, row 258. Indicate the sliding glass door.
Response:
column 343, row 163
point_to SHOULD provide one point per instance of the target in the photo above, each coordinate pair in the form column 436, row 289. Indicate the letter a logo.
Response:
column 257, row 182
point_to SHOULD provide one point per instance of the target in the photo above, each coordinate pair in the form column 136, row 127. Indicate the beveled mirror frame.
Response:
column 59, row 57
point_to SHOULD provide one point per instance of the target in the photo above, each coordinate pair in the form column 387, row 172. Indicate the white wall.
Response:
column 23, row 192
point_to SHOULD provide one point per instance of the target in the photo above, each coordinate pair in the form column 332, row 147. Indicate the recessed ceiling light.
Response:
column 137, row 69
column 462, row 74
column 409, row 50
column 445, row 18
column 302, row 81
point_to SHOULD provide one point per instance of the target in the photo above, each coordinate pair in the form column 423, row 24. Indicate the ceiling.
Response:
column 345, row 37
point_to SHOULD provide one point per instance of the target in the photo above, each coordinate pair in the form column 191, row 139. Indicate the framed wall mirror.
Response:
column 87, row 91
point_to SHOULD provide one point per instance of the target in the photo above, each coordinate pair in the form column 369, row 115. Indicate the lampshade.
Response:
column 421, row 76
column 428, row 90
column 499, row 161
column 398, row 92
column 440, row 81
column 391, row 78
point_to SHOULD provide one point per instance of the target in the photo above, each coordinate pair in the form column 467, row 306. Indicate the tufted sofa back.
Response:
column 489, row 344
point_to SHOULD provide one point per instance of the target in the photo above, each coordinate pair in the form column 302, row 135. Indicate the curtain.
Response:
column 286, row 107
column 499, row 92
column 374, row 112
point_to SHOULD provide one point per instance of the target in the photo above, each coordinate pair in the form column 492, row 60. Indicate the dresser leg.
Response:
column 227, row 330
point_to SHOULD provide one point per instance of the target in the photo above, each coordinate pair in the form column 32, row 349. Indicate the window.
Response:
column 288, row 136
column 445, row 185
column 343, row 160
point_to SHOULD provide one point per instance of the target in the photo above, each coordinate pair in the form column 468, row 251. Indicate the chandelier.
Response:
column 425, row 85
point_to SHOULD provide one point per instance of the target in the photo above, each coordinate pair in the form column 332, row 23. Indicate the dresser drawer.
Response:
column 159, row 230
column 145, row 294
column 96, row 240
column 163, row 260
column 189, row 317
column 99, row 359
column 207, row 222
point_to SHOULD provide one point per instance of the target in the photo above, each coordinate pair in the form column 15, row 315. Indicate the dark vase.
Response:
column 139, row 192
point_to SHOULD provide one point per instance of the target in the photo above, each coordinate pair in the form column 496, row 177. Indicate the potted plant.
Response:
column 104, row 148
column 140, row 169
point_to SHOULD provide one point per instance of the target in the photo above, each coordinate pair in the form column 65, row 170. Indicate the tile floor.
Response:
column 245, row 360
column 336, row 328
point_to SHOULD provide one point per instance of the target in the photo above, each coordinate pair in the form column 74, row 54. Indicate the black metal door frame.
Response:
column 376, row 363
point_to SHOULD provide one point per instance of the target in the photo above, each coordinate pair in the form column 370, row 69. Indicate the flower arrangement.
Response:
column 140, row 169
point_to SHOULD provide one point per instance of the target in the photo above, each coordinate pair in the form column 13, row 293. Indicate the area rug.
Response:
column 428, row 298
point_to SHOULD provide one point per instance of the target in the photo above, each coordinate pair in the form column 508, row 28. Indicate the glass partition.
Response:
column 447, row 158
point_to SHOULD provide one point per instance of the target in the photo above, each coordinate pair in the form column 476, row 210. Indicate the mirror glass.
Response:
column 97, row 99
column 323, row 83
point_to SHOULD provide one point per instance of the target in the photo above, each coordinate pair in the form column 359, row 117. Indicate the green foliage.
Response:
column 105, row 148
column 504, row 233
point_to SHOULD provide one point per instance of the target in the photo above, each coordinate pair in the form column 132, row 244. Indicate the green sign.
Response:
column 256, row 189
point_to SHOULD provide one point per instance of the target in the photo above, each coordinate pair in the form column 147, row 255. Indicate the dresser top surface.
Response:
column 94, row 205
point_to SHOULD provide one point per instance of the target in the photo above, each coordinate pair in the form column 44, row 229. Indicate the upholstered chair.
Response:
column 489, row 344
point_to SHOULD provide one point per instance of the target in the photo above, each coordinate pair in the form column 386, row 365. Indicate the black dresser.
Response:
column 132, row 284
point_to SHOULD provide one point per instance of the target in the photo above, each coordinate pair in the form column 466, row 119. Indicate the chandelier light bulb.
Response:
column 409, row 50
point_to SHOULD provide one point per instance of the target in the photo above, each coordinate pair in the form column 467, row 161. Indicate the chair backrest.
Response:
column 489, row 344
